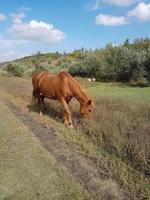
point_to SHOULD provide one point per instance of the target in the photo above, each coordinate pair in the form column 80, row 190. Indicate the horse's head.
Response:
column 86, row 109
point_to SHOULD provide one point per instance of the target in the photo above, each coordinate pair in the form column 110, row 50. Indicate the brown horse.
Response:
column 61, row 87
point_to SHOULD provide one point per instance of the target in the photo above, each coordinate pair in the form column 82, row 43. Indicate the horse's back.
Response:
column 53, row 85
column 48, row 78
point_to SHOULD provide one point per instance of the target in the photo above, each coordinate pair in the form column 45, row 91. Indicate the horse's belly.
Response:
column 53, row 98
column 49, row 95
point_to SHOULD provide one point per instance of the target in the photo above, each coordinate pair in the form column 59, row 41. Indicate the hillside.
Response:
column 127, row 62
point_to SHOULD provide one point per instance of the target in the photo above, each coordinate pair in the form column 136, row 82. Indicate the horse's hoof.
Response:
column 41, row 114
column 70, row 126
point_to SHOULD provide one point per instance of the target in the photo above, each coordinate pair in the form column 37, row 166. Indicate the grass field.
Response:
column 116, row 140
column 27, row 172
column 114, row 90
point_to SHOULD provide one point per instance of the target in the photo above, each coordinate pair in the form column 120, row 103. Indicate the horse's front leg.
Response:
column 67, row 113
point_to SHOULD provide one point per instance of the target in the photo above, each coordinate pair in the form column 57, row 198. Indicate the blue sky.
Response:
column 29, row 26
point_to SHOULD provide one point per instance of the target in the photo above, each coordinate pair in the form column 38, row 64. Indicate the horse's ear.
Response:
column 89, row 102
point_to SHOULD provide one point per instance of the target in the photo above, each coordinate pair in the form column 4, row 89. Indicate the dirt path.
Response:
column 80, row 168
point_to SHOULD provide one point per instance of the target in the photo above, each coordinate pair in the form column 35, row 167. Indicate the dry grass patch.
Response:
column 122, row 130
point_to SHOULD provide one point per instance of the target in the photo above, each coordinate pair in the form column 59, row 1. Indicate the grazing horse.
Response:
column 62, row 87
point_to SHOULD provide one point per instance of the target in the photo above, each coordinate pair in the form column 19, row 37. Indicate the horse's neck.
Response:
column 79, row 92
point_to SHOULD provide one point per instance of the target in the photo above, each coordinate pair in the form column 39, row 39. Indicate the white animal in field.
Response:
column 91, row 79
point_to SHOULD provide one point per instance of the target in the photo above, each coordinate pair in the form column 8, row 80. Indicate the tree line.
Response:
column 125, row 63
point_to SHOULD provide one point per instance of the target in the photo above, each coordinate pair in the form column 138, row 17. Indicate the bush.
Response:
column 41, row 66
column 78, row 69
column 88, row 67
column 16, row 69
column 125, row 63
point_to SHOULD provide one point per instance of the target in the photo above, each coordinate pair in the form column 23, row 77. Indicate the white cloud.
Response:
column 33, row 30
column 109, row 20
column 17, row 17
column 2, row 17
column 122, row 2
column 25, row 9
column 10, row 44
column 36, row 31
column 94, row 6
column 20, row 14
column 141, row 11
column 99, row 3
column 10, row 55
column 6, row 43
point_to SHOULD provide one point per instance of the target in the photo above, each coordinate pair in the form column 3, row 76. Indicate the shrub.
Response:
column 125, row 63
column 78, row 69
column 87, row 67
column 16, row 69
column 41, row 66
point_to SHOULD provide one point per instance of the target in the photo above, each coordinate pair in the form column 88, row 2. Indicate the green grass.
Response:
column 118, row 137
column 137, row 94
column 27, row 172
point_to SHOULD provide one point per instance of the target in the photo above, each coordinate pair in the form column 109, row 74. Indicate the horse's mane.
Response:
column 75, row 86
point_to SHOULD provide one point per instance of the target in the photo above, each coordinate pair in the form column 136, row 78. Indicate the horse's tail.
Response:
column 34, row 96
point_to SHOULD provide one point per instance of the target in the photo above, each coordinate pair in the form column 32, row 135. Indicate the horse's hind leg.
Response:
column 39, row 104
column 42, row 101
column 34, row 96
